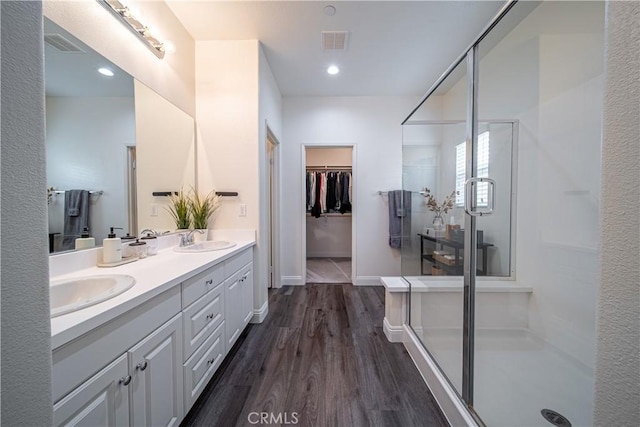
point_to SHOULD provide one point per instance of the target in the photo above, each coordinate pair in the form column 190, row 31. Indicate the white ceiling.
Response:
column 395, row 47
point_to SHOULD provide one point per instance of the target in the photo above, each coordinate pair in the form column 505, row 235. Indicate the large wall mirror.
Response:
column 111, row 143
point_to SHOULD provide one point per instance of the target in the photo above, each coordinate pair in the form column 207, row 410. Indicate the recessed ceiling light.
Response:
column 105, row 71
column 329, row 10
column 333, row 69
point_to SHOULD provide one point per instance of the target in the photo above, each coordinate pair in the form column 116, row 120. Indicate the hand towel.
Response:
column 76, row 208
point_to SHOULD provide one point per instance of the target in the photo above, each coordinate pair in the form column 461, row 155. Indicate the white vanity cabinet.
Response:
column 215, row 309
column 147, row 366
column 142, row 387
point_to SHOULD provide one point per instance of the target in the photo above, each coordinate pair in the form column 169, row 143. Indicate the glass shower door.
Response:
column 534, row 342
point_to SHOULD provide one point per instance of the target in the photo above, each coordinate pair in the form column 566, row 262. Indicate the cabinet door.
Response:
column 233, row 309
column 246, row 282
column 155, row 364
column 102, row 400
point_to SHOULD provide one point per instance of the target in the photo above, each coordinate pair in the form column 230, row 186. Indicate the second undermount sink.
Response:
column 209, row 245
column 69, row 295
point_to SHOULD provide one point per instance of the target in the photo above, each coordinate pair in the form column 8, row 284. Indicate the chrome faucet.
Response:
column 186, row 239
column 150, row 231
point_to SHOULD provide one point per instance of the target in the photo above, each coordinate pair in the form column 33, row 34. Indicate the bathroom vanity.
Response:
column 144, row 357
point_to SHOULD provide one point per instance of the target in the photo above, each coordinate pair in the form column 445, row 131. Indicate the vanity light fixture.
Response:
column 333, row 70
column 105, row 71
column 125, row 16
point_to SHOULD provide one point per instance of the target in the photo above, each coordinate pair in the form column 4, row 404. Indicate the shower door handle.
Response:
column 469, row 191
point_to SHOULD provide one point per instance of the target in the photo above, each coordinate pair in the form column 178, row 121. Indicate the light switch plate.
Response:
column 243, row 209
column 154, row 209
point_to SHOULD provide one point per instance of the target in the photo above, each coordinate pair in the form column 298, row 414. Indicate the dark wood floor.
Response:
column 322, row 355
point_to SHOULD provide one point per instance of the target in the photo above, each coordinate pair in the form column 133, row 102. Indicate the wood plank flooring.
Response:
column 320, row 358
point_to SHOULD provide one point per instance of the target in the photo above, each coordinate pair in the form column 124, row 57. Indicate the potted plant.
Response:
column 179, row 210
column 201, row 209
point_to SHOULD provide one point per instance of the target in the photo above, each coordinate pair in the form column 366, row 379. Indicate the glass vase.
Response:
column 438, row 222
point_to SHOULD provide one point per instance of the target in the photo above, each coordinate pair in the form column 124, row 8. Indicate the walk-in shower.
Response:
column 503, row 291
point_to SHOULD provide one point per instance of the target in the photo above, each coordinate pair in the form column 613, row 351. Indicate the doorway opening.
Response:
column 272, row 208
column 329, row 214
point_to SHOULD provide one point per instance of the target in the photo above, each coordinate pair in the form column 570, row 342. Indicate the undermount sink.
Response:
column 209, row 245
column 67, row 295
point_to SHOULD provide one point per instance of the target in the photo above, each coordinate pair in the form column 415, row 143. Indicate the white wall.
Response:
column 173, row 77
column 373, row 125
column 617, row 396
column 237, row 98
column 165, row 152
column 26, row 328
column 87, row 141
column 269, row 114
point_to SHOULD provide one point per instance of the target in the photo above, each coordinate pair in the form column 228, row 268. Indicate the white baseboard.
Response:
column 292, row 281
column 393, row 333
column 368, row 281
column 329, row 254
column 450, row 404
column 260, row 314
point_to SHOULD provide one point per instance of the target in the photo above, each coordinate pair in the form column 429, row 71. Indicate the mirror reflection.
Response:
column 111, row 143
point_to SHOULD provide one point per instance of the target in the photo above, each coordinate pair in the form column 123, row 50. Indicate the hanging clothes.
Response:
column 316, row 210
column 331, row 191
column 345, row 201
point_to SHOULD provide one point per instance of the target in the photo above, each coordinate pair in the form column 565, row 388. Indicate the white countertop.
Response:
column 154, row 275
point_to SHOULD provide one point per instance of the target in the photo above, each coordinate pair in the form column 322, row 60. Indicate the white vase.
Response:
column 200, row 237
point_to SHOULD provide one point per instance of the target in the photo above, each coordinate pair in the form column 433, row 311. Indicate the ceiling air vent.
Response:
column 334, row 40
column 61, row 43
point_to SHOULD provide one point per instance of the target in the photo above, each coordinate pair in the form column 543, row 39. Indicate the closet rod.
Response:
column 328, row 167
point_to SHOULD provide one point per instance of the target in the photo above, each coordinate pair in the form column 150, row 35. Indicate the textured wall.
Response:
column 26, row 345
column 617, row 398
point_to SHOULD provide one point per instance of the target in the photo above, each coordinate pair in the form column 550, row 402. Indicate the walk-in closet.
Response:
column 329, row 206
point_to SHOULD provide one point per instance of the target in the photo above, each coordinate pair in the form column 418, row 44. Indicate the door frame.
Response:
column 303, row 208
column 273, row 223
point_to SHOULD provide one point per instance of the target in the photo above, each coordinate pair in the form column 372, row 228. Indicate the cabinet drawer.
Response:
column 201, row 318
column 200, row 367
column 237, row 262
column 195, row 287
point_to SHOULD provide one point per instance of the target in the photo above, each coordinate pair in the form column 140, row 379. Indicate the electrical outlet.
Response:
column 243, row 209
column 154, row 210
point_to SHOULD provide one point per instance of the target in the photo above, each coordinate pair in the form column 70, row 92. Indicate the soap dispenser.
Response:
column 85, row 241
column 112, row 248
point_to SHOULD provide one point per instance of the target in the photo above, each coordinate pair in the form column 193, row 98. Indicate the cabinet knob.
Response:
column 142, row 365
column 125, row 380
column 210, row 316
column 209, row 282
column 210, row 361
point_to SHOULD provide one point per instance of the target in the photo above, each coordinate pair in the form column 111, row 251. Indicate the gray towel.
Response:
column 76, row 216
column 399, row 217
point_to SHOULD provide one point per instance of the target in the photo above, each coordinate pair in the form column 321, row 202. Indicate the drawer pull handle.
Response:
column 209, row 282
column 210, row 316
column 210, row 361
column 125, row 380
column 142, row 365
